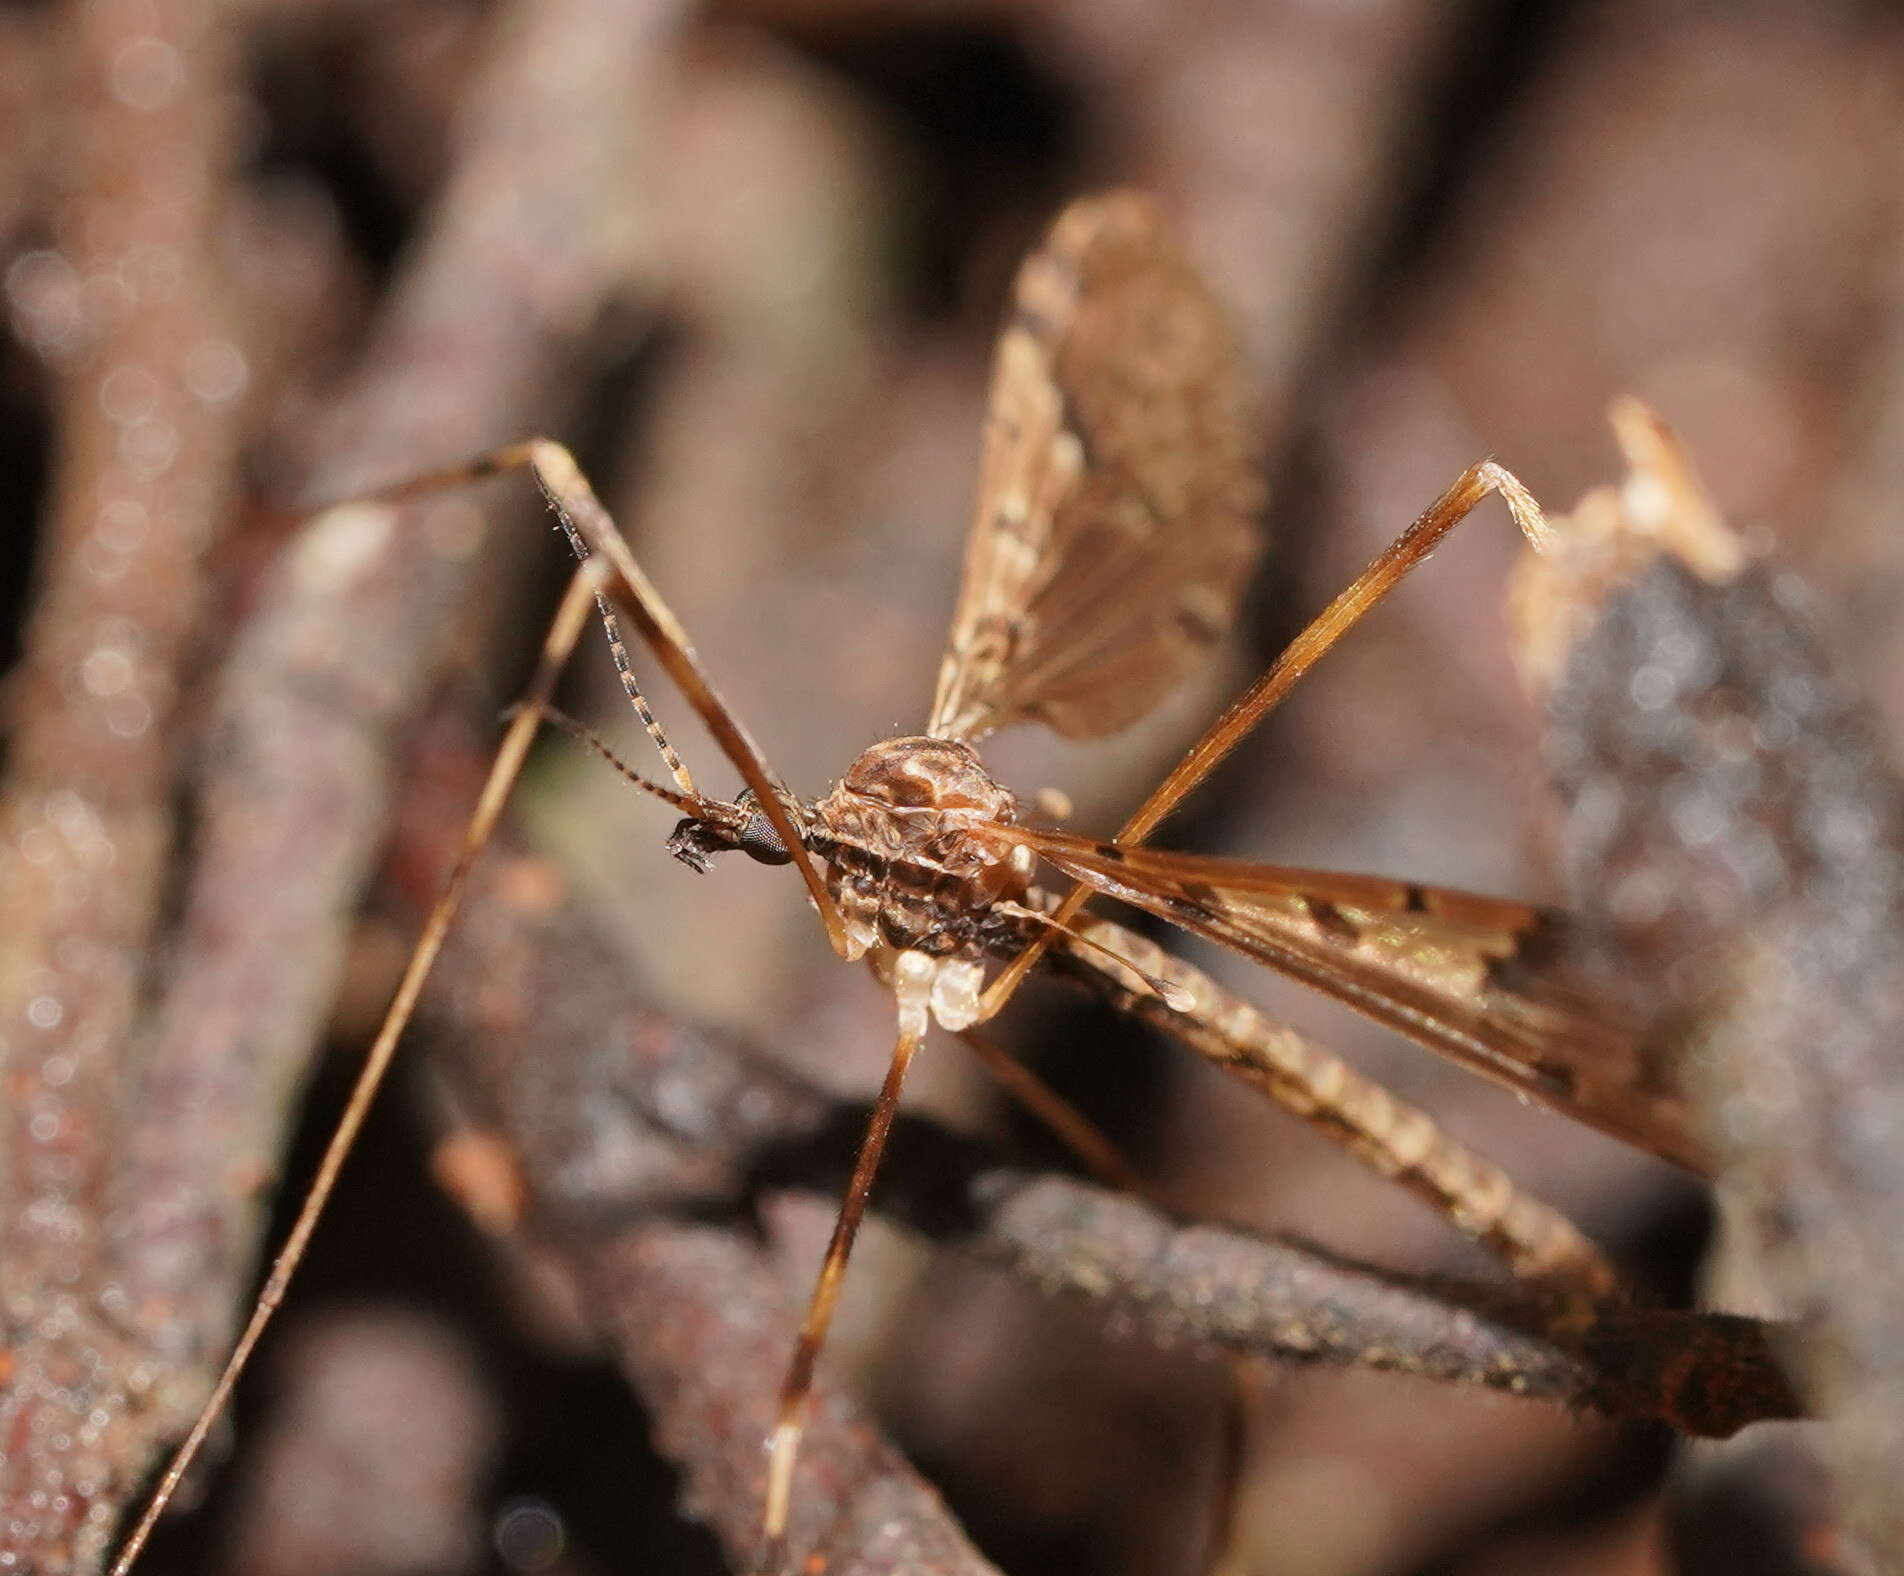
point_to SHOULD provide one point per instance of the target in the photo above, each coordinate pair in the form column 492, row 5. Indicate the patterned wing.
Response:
column 1479, row 979
column 1118, row 491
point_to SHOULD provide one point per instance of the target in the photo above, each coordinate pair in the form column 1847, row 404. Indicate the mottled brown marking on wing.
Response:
column 1118, row 492
column 1481, row 980
column 1329, row 920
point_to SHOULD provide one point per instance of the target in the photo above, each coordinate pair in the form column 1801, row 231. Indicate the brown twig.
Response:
column 132, row 310
column 1672, row 201
column 487, row 317
column 380, row 1441
column 1706, row 1374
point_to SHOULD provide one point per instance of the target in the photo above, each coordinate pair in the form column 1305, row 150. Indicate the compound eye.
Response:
column 759, row 841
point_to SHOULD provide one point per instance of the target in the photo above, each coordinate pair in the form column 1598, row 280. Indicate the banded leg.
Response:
column 1406, row 552
column 564, row 631
column 1394, row 1139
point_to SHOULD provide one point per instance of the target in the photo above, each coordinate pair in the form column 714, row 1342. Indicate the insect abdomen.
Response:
column 1392, row 1137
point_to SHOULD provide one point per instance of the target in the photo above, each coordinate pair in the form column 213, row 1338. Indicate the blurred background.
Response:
column 748, row 260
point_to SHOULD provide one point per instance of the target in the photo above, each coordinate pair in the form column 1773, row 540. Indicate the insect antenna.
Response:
column 624, row 670
column 688, row 803
column 594, row 536
column 607, row 569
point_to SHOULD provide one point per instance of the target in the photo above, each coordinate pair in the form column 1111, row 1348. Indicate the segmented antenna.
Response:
column 624, row 669
column 687, row 803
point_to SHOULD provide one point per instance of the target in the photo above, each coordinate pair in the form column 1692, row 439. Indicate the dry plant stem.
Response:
column 365, row 1396
column 700, row 1323
column 563, row 633
column 485, row 321
column 1107, row 1165
column 1705, row 1374
column 1409, row 550
column 140, row 490
column 1738, row 840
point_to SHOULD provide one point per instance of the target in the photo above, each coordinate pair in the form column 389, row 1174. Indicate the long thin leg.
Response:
column 565, row 629
column 1064, row 1121
column 1301, row 654
column 1071, row 1128
column 1251, row 1380
column 912, row 983
column 591, row 530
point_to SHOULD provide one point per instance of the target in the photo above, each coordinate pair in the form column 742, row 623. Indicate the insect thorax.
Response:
column 905, row 858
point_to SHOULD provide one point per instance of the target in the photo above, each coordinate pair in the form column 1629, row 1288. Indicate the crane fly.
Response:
column 1117, row 521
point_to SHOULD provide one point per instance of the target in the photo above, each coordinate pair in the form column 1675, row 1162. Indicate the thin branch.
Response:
column 145, row 1196
column 132, row 310
column 1707, row 1375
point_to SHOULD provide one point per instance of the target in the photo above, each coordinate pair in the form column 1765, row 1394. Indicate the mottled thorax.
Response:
column 909, row 866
